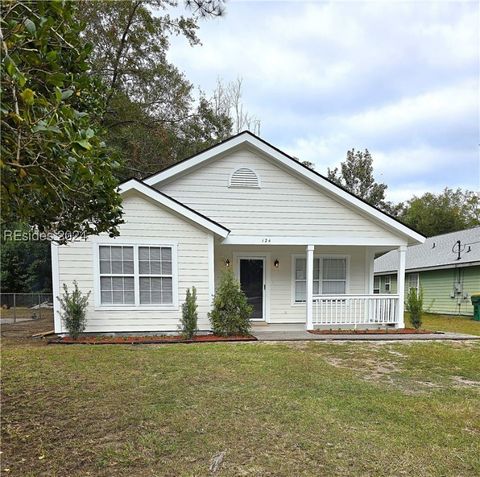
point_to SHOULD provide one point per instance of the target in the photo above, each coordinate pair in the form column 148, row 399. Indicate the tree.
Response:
column 434, row 214
column 151, row 116
column 56, row 172
column 26, row 264
column 231, row 312
column 74, row 310
column 227, row 99
column 414, row 306
column 356, row 175
column 188, row 321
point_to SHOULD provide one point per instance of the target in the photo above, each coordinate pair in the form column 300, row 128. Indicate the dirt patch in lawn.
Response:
column 96, row 340
column 465, row 383
column 15, row 334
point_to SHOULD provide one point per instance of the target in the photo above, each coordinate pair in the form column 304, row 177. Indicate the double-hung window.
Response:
column 155, row 272
column 388, row 284
column 136, row 275
column 413, row 281
column 376, row 285
column 117, row 275
column 329, row 277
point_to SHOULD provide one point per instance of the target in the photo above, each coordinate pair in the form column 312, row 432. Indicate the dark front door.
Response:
column 252, row 283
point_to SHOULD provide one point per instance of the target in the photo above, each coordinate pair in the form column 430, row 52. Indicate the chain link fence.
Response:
column 16, row 307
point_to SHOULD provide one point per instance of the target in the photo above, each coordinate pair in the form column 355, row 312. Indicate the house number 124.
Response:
column 266, row 240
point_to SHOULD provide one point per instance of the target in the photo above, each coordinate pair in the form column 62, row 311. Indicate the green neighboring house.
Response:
column 446, row 267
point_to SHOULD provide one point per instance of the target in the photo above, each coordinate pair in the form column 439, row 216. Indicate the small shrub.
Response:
column 415, row 307
column 189, row 315
column 74, row 306
column 231, row 312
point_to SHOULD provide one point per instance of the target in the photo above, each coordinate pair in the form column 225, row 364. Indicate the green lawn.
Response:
column 358, row 409
column 457, row 324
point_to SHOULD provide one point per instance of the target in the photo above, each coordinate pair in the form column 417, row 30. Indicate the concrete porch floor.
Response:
column 297, row 332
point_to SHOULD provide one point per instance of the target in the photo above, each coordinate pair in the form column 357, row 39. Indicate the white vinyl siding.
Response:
column 285, row 205
column 146, row 224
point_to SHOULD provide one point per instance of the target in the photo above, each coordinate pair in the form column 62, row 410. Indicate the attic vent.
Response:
column 244, row 177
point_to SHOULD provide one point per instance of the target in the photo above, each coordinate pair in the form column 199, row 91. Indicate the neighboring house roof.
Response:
column 440, row 251
column 174, row 205
column 249, row 139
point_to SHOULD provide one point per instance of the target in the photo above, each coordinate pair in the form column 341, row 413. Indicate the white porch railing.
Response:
column 355, row 309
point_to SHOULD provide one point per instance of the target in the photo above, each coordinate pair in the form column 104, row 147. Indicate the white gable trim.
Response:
column 291, row 164
column 174, row 205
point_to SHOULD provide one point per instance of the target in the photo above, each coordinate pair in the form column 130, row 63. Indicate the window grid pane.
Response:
column 301, row 279
column 331, row 278
column 155, row 261
column 334, row 276
column 117, row 275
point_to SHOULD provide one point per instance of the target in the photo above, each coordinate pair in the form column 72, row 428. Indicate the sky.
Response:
column 398, row 78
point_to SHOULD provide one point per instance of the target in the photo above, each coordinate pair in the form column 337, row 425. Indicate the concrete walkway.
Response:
column 297, row 332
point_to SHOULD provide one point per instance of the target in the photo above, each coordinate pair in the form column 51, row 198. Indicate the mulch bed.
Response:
column 401, row 331
column 147, row 339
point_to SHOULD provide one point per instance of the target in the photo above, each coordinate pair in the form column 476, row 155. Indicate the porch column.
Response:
column 402, row 251
column 309, row 277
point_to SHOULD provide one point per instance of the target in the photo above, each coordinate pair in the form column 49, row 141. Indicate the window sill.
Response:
column 137, row 308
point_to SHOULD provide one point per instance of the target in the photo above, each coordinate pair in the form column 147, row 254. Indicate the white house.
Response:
column 302, row 247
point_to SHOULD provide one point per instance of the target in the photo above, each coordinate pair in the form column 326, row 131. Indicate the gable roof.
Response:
column 250, row 139
column 436, row 252
column 174, row 205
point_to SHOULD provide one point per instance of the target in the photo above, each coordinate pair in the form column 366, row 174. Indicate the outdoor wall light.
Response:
column 227, row 262
column 276, row 263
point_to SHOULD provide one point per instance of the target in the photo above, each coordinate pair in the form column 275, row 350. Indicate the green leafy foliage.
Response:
column 415, row 307
column 74, row 306
column 57, row 174
column 356, row 175
column 434, row 214
column 26, row 264
column 151, row 115
column 231, row 312
column 189, row 319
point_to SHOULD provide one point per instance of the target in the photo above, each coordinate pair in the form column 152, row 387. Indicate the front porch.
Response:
column 293, row 284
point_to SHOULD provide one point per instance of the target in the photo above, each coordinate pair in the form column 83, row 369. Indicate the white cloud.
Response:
column 399, row 78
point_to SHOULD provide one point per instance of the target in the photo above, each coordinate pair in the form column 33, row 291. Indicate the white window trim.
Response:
column 376, row 290
column 246, row 166
column 319, row 256
column 135, row 243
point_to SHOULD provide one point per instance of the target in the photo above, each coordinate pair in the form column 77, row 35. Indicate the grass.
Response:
column 311, row 409
column 456, row 324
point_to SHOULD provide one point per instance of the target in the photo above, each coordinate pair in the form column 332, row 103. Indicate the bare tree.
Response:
column 227, row 99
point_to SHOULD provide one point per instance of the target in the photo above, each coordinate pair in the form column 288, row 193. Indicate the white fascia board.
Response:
column 247, row 138
column 173, row 205
column 301, row 240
